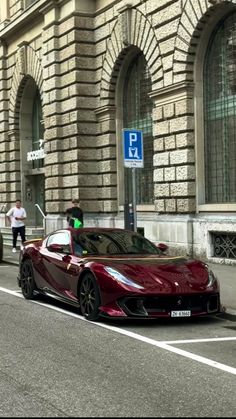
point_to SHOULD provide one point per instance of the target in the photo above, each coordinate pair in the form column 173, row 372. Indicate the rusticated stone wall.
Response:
column 70, row 122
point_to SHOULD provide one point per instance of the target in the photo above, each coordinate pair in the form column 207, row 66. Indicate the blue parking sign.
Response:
column 133, row 148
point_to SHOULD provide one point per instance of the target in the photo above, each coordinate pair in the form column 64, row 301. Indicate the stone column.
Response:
column 9, row 169
column 4, row 13
column 108, row 158
column 174, row 154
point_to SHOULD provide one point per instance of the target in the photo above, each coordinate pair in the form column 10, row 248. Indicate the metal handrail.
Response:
column 3, row 207
column 37, row 205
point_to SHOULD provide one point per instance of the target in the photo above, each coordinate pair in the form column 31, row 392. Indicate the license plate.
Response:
column 180, row 313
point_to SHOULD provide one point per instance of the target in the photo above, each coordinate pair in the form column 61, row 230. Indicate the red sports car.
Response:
column 116, row 273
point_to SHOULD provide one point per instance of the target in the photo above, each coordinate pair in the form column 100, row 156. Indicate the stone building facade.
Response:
column 75, row 73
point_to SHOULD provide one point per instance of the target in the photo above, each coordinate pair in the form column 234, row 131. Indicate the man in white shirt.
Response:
column 16, row 216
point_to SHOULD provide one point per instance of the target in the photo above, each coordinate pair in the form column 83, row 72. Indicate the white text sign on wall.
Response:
column 36, row 154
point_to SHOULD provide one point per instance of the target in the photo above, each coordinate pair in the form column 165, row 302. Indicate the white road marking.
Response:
column 15, row 293
column 173, row 342
column 160, row 344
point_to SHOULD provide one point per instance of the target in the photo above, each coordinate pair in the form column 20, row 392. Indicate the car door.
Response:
column 56, row 261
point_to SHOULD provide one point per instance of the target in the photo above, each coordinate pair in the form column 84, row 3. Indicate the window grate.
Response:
column 220, row 113
column 137, row 108
column 224, row 245
column 37, row 129
column 28, row 3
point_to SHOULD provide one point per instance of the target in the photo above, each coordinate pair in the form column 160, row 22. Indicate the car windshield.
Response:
column 112, row 243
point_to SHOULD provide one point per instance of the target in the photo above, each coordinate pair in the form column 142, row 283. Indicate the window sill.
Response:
column 217, row 208
column 141, row 208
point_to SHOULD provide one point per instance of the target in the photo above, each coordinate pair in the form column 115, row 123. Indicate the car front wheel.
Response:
column 28, row 285
column 89, row 297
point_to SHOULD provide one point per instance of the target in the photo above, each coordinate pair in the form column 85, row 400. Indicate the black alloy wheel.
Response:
column 27, row 282
column 89, row 297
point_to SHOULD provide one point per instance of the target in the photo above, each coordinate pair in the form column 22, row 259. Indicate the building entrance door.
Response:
column 34, row 194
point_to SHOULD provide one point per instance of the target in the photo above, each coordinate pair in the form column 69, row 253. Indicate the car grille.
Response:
column 163, row 305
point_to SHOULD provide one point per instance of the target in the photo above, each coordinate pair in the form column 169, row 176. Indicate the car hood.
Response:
column 162, row 274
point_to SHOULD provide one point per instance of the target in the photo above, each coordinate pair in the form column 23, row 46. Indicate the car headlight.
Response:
column 211, row 278
column 121, row 278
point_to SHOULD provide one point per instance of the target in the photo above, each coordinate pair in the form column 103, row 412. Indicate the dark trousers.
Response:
column 16, row 231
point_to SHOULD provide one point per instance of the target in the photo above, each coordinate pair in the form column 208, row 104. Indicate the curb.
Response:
column 228, row 314
column 10, row 261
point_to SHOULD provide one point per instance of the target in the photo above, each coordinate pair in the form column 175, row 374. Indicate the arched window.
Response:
column 37, row 129
column 137, row 114
column 220, row 113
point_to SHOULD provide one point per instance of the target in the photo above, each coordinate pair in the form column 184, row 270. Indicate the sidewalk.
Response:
column 225, row 273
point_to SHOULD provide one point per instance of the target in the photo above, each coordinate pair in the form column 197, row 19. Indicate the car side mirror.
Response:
column 162, row 247
column 55, row 248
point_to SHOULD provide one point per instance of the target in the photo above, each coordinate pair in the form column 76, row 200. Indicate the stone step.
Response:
column 30, row 233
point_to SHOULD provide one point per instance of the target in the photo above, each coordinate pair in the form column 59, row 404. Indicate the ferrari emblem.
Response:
column 68, row 266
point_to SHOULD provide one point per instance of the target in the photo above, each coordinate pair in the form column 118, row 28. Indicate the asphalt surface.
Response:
column 54, row 363
column 225, row 273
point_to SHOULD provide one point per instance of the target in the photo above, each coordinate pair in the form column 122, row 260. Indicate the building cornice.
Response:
column 104, row 112
column 26, row 17
column 173, row 92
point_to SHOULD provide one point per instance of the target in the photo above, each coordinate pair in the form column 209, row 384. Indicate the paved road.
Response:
column 54, row 363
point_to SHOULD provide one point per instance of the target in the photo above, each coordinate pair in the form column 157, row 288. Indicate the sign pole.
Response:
column 134, row 198
column 133, row 158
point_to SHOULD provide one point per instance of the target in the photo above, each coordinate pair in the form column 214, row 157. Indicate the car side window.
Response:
column 62, row 238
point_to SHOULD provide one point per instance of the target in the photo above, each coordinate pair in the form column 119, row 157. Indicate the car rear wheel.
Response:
column 28, row 285
column 89, row 297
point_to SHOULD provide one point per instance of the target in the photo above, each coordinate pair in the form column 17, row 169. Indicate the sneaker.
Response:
column 14, row 250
